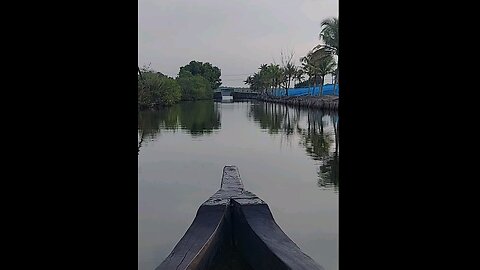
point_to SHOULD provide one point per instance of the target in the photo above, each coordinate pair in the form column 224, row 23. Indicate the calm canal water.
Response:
column 286, row 156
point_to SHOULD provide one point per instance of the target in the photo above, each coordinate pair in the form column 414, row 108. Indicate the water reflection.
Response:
column 275, row 118
column 197, row 118
column 328, row 171
column 317, row 131
column 192, row 142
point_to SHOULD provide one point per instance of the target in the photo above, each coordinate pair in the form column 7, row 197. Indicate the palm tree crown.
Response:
column 329, row 33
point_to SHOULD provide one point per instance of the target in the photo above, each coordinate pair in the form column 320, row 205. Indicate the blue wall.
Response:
column 327, row 90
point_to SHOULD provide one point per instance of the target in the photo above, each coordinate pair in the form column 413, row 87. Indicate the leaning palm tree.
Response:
column 326, row 65
column 309, row 68
column 329, row 34
column 317, row 63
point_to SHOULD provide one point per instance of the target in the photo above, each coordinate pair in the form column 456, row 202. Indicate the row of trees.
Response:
column 195, row 81
column 318, row 63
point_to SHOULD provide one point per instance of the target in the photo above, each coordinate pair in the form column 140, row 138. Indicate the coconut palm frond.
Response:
column 329, row 33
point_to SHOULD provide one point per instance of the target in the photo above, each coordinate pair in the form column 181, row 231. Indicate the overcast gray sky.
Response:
column 235, row 35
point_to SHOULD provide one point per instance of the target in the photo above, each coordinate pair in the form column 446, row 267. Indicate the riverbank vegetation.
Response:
column 156, row 89
column 195, row 81
column 315, row 66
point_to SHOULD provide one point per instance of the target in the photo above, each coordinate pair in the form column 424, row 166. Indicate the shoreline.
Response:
column 327, row 102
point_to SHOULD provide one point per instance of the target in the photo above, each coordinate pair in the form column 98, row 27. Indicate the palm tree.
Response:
column 329, row 34
column 299, row 75
column 309, row 69
column 265, row 77
column 253, row 82
column 275, row 75
column 290, row 70
column 325, row 65
column 317, row 64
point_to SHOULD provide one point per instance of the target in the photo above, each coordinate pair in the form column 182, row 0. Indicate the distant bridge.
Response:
column 236, row 93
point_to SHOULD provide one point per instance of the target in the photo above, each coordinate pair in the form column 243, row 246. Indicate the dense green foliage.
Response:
column 156, row 89
column 266, row 79
column 194, row 87
column 206, row 70
column 317, row 64
column 195, row 81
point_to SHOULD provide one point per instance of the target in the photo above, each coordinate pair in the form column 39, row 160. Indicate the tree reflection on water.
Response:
column 197, row 118
column 317, row 131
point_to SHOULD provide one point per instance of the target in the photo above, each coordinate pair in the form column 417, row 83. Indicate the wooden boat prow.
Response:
column 234, row 229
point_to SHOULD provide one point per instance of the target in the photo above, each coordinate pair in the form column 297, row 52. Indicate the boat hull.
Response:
column 234, row 229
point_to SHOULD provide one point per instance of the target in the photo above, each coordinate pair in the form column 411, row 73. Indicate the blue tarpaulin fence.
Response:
column 327, row 90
